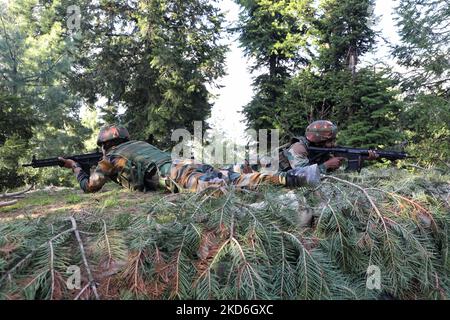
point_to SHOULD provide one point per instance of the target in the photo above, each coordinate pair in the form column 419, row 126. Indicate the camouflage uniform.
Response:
column 299, row 158
column 297, row 153
column 138, row 165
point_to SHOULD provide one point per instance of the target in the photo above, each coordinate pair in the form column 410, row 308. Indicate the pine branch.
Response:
column 52, row 270
column 92, row 283
column 412, row 202
column 107, row 243
column 30, row 255
column 339, row 231
column 247, row 267
column 380, row 216
column 81, row 292
column 238, row 251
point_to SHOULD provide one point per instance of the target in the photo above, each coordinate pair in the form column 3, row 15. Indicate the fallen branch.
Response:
column 18, row 197
column 107, row 243
column 83, row 255
column 81, row 292
column 14, row 194
column 7, row 203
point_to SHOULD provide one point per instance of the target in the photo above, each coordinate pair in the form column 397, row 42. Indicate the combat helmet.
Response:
column 112, row 132
column 321, row 131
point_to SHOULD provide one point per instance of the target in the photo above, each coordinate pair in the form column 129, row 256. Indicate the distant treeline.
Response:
column 149, row 64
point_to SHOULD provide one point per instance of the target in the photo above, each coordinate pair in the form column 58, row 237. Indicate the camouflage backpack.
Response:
column 142, row 161
column 284, row 155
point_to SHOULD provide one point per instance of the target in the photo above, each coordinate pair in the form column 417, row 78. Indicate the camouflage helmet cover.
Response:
column 321, row 131
column 112, row 132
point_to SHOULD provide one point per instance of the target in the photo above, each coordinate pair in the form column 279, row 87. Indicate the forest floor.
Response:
column 159, row 245
column 54, row 201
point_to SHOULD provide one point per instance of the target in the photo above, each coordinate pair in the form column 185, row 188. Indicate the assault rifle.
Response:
column 86, row 161
column 355, row 156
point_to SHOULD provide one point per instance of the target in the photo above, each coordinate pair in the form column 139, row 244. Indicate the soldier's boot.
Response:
column 304, row 176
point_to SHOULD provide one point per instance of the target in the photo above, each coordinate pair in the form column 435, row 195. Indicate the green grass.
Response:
column 35, row 199
column 110, row 202
column 74, row 199
column 65, row 200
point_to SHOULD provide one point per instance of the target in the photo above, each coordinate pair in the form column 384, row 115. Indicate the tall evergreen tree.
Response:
column 335, row 37
column 364, row 106
column 424, row 31
column 16, row 122
column 345, row 33
column 151, row 60
column 360, row 100
column 34, row 62
column 276, row 34
column 423, row 51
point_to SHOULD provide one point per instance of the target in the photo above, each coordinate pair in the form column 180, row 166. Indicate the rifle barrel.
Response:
column 82, row 159
column 363, row 152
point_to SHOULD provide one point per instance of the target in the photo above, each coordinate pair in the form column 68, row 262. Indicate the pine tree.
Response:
column 367, row 109
column 424, row 47
column 275, row 34
column 16, row 122
column 35, row 60
column 345, row 33
column 361, row 102
column 424, row 52
column 364, row 107
column 151, row 60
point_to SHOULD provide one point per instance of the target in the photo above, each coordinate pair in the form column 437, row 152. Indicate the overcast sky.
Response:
column 237, row 90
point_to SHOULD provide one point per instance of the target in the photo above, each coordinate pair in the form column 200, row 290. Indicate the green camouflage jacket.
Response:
column 140, row 166
column 133, row 164
column 291, row 159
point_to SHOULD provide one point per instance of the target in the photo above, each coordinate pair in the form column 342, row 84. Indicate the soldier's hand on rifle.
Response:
column 68, row 163
column 334, row 163
column 373, row 155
